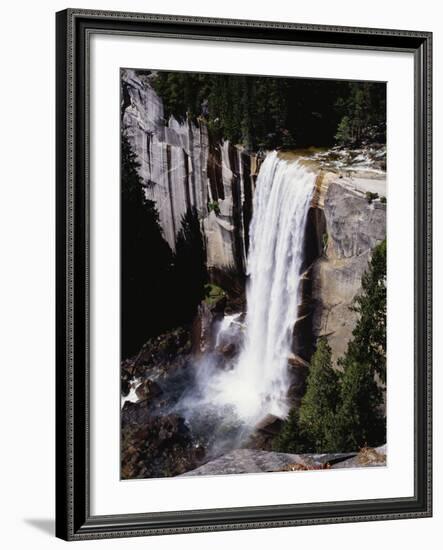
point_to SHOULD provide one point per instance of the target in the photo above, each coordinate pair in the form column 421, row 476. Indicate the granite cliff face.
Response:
column 181, row 169
column 349, row 227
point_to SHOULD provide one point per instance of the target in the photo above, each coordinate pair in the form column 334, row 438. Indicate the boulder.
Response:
column 270, row 424
column 264, row 433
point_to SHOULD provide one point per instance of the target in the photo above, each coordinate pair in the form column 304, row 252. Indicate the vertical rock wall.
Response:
column 345, row 228
column 181, row 168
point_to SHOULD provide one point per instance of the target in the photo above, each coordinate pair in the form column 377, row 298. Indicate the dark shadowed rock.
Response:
column 298, row 372
column 228, row 350
column 270, row 424
column 148, row 389
column 296, row 363
column 135, row 413
column 124, row 385
column 161, row 446
column 265, row 432
column 159, row 353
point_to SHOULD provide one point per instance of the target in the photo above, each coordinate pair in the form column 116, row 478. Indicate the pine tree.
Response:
column 359, row 421
column 290, row 439
column 344, row 132
column 319, row 404
column 368, row 345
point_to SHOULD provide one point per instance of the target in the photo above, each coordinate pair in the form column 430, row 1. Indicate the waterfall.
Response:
column 258, row 383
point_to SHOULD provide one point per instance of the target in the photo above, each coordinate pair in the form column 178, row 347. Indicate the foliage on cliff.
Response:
column 369, row 336
column 159, row 289
column 341, row 410
column 270, row 112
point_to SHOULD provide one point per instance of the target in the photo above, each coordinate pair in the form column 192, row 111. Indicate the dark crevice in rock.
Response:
column 245, row 160
column 303, row 337
column 186, row 180
column 191, row 175
column 125, row 98
column 168, row 163
column 237, row 241
column 214, row 170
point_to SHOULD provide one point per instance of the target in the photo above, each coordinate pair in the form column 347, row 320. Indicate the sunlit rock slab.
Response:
column 243, row 461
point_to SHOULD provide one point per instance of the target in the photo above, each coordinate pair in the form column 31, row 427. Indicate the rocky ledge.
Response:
column 242, row 461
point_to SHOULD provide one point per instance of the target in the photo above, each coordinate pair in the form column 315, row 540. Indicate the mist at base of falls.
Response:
column 229, row 400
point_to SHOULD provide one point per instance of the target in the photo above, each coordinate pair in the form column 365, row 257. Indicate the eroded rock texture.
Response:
column 352, row 227
column 247, row 461
column 181, row 168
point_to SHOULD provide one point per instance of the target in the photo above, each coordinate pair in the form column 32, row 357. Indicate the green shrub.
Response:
column 325, row 241
column 214, row 206
column 344, row 131
column 213, row 294
column 371, row 196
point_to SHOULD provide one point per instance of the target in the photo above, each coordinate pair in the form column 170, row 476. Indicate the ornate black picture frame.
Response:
column 74, row 29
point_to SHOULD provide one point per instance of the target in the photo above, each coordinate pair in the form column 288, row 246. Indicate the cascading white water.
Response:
column 258, row 383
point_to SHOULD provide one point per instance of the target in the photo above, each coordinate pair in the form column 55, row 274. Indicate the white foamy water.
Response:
column 227, row 328
column 132, row 396
column 258, row 383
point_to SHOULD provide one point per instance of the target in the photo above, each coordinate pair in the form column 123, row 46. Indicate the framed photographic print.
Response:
column 243, row 274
